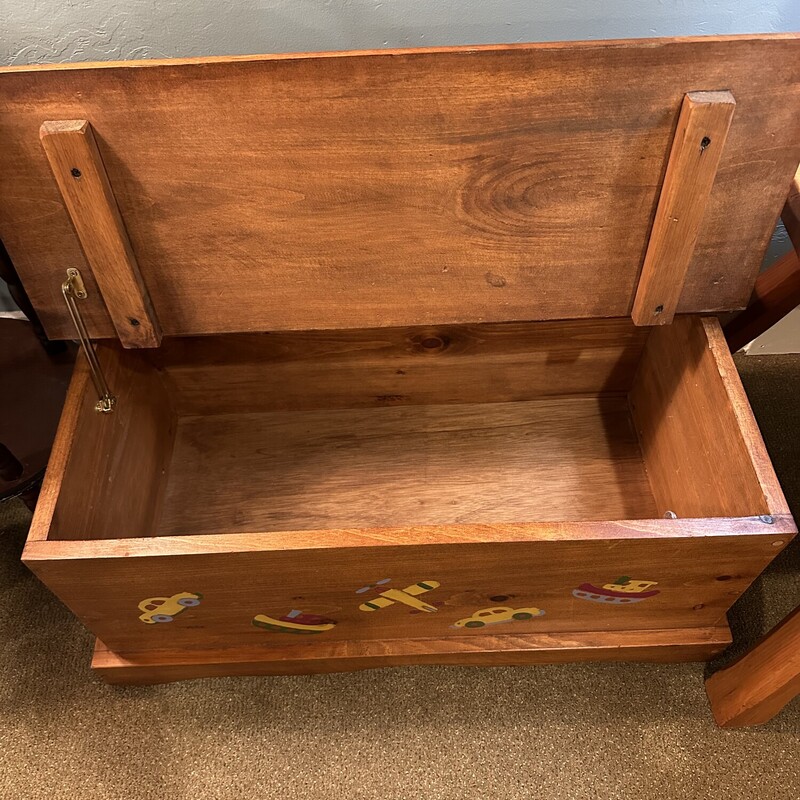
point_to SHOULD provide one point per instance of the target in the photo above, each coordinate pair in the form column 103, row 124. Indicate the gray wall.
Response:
column 35, row 31
column 32, row 31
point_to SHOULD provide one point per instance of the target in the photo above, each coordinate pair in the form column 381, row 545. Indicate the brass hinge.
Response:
column 74, row 289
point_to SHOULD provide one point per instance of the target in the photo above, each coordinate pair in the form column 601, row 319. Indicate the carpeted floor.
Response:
column 575, row 731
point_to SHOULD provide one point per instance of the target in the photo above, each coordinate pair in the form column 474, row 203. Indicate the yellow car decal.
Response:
column 165, row 609
column 495, row 614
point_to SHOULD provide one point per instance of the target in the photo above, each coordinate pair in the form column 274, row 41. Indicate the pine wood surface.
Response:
column 695, row 155
column 697, row 579
column 549, row 459
column 701, row 445
column 400, row 187
column 398, row 366
column 494, row 650
column 757, row 686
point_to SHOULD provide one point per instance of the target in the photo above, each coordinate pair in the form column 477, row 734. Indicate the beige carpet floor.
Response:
column 576, row 731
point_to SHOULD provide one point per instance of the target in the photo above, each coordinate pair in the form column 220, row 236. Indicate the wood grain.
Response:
column 698, row 579
column 755, row 688
column 398, row 366
column 696, row 153
column 74, row 408
column 782, row 529
column 791, row 212
column 81, row 177
column 777, row 289
column 554, row 459
column 256, row 481
column 702, row 448
column 106, row 472
column 395, row 188
column 499, row 650
column 776, row 293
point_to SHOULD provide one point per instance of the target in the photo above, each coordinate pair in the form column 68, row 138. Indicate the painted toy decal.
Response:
column 375, row 585
column 470, row 597
column 295, row 622
column 407, row 596
column 623, row 591
column 497, row 614
column 165, row 609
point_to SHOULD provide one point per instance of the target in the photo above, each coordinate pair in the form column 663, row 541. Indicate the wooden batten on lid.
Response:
column 81, row 177
column 444, row 187
column 695, row 155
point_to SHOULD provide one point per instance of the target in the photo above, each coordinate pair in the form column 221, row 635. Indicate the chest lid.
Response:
column 356, row 190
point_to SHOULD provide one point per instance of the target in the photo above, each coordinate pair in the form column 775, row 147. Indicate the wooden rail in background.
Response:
column 777, row 290
column 756, row 687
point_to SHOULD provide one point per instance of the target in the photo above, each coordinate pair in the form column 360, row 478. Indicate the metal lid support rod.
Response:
column 73, row 290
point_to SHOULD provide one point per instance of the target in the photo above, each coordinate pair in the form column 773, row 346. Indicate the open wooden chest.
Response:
column 412, row 354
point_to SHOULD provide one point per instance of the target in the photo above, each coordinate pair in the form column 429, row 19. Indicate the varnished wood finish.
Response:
column 776, row 293
column 782, row 527
column 82, row 180
column 391, row 188
column 107, row 471
column 484, row 473
column 697, row 578
column 791, row 212
column 755, row 688
column 494, row 651
column 696, row 153
column 777, row 289
column 398, row 366
column 549, row 459
column 702, row 448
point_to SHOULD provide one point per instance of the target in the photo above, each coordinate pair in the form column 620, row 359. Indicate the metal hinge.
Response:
column 74, row 289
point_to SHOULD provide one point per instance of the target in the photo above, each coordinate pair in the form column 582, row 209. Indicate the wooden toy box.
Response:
column 412, row 353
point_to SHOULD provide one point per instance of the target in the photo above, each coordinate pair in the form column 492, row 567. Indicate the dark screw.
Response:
column 134, row 322
column 705, row 142
column 75, row 172
column 658, row 310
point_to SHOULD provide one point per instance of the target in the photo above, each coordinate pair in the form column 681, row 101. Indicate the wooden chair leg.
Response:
column 755, row 688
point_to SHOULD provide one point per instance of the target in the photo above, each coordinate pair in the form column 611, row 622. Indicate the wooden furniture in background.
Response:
column 34, row 385
column 756, row 687
column 430, row 389
column 777, row 289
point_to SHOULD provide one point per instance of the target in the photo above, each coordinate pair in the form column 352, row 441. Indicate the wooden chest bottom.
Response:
column 491, row 650
column 491, row 494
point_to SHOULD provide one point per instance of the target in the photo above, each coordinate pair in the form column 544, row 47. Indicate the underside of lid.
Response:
column 361, row 190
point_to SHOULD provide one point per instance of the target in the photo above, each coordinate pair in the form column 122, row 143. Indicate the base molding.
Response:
column 685, row 644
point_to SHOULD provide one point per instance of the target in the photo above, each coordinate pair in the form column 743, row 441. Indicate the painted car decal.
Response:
column 497, row 614
column 165, row 609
